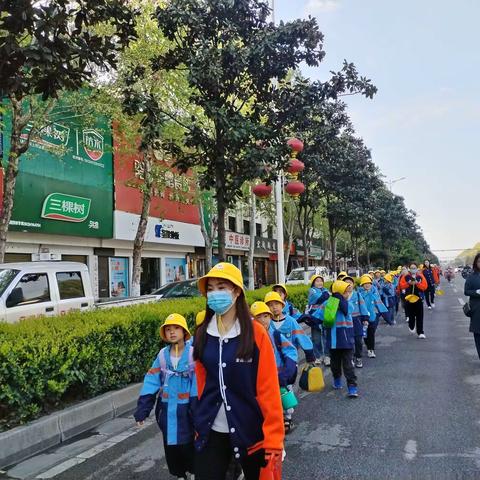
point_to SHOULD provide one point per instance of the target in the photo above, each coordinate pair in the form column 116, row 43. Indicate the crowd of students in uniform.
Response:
column 216, row 398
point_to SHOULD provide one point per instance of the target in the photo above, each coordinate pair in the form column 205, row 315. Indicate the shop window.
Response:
column 75, row 258
column 17, row 257
column 246, row 227
column 70, row 285
column 232, row 224
column 32, row 288
column 258, row 229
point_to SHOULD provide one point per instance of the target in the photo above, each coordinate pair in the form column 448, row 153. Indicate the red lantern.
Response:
column 295, row 188
column 295, row 167
column 262, row 190
column 296, row 145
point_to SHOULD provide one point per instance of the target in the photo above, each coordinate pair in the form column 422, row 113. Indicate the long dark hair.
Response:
column 245, row 347
column 475, row 261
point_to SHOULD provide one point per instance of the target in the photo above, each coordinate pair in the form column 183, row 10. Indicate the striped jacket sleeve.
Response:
column 152, row 383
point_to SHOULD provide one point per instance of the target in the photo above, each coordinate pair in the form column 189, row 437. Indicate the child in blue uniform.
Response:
column 317, row 295
column 360, row 320
column 286, row 356
column 172, row 379
column 341, row 340
column 289, row 309
column 389, row 298
column 375, row 309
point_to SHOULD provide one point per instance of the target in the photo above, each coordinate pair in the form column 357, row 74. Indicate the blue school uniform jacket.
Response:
column 295, row 334
column 286, row 357
column 373, row 303
column 341, row 335
column 388, row 295
column 291, row 311
column 176, row 389
column 360, row 313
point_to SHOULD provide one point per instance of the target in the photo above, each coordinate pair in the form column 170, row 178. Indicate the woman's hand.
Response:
column 141, row 424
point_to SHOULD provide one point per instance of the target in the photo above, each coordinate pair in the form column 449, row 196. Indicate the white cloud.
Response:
column 321, row 6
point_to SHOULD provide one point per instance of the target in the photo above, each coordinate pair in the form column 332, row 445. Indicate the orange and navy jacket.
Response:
column 416, row 289
column 251, row 395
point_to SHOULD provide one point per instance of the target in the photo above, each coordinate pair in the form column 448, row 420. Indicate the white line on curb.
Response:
column 410, row 450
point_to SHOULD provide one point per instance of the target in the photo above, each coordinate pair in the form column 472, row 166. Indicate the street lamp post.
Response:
column 279, row 212
column 391, row 182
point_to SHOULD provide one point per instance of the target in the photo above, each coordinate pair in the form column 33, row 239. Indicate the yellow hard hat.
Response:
column 421, row 266
column 200, row 318
column 348, row 277
column 371, row 272
column 273, row 297
column 175, row 319
column 383, row 272
column 365, row 279
column 412, row 298
column 399, row 268
column 389, row 277
column 339, row 286
column 258, row 308
column 282, row 286
column 341, row 275
column 223, row 270
column 314, row 277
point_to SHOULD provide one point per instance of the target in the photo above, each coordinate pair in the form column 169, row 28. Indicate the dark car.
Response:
column 183, row 289
column 467, row 270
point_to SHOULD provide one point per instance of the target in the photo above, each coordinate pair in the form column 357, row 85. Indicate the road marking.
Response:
column 461, row 301
column 410, row 450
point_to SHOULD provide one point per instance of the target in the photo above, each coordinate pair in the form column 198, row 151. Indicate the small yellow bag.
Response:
column 311, row 379
column 440, row 292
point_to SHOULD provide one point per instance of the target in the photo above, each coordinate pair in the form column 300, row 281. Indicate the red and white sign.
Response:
column 237, row 241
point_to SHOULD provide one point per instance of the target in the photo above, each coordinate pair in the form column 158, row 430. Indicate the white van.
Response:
column 299, row 276
column 33, row 289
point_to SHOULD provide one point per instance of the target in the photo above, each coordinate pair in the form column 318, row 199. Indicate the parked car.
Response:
column 183, row 289
column 31, row 289
column 299, row 276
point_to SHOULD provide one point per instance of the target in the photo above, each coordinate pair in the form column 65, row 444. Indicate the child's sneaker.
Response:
column 326, row 361
column 289, row 426
column 412, row 330
column 337, row 383
column 429, row 307
column 422, row 335
column 358, row 363
column 318, row 361
column 352, row 391
column 371, row 354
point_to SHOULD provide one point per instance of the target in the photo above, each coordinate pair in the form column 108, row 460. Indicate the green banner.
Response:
column 65, row 180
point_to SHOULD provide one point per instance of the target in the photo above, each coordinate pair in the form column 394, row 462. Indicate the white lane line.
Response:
column 410, row 450
column 461, row 301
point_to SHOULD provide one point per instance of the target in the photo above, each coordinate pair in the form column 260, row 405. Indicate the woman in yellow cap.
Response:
column 173, row 374
column 239, row 411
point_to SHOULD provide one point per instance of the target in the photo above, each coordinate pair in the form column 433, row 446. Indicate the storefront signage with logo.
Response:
column 265, row 245
column 65, row 183
column 235, row 241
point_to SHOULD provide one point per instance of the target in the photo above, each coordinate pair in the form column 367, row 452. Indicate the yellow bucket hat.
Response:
column 223, row 270
column 314, row 277
column 258, row 308
column 340, row 286
column 273, row 297
column 282, row 286
column 412, row 298
column 365, row 279
column 389, row 277
column 175, row 319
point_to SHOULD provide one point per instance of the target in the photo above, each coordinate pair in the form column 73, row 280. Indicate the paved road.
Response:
column 417, row 417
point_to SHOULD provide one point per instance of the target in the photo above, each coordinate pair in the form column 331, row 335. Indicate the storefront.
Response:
column 265, row 261
column 63, row 200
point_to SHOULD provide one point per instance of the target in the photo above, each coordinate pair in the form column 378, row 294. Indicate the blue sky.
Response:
column 424, row 57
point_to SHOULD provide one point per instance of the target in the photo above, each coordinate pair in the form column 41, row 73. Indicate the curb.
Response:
column 22, row 442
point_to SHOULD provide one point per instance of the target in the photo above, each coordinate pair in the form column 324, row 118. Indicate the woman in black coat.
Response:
column 472, row 290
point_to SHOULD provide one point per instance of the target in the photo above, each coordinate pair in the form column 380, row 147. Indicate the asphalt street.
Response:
column 417, row 416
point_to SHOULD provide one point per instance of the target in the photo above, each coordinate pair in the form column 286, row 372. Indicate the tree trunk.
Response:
column 333, row 246
column 221, row 209
column 289, row 234
column 367, row 254
column 306, row 258
column 142, row 225
column 17, row 148
column 251, row 250
column 208, row 236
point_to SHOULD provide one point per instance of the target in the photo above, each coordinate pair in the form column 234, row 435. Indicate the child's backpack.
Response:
column 311, row 379
column 330, row 313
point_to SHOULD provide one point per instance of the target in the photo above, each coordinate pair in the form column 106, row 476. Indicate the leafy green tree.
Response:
column 231, row 53
column 47, row 48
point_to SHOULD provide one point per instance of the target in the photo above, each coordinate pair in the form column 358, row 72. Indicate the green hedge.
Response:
column 49, row 362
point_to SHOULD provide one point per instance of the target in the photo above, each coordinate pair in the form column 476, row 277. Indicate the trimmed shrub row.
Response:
column 46, row 363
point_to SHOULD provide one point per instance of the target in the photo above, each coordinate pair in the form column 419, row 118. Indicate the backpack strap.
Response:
column 277, row 337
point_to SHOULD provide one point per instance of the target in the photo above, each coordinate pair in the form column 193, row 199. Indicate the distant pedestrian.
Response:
column 433, row 279
column 414, row 284
column 472, row 290
column 173, row 375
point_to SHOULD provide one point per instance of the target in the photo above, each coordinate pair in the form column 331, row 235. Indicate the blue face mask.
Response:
column 220, row 301
column 413, row 271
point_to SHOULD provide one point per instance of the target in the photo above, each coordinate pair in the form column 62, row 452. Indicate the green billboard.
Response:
column 65, row 180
